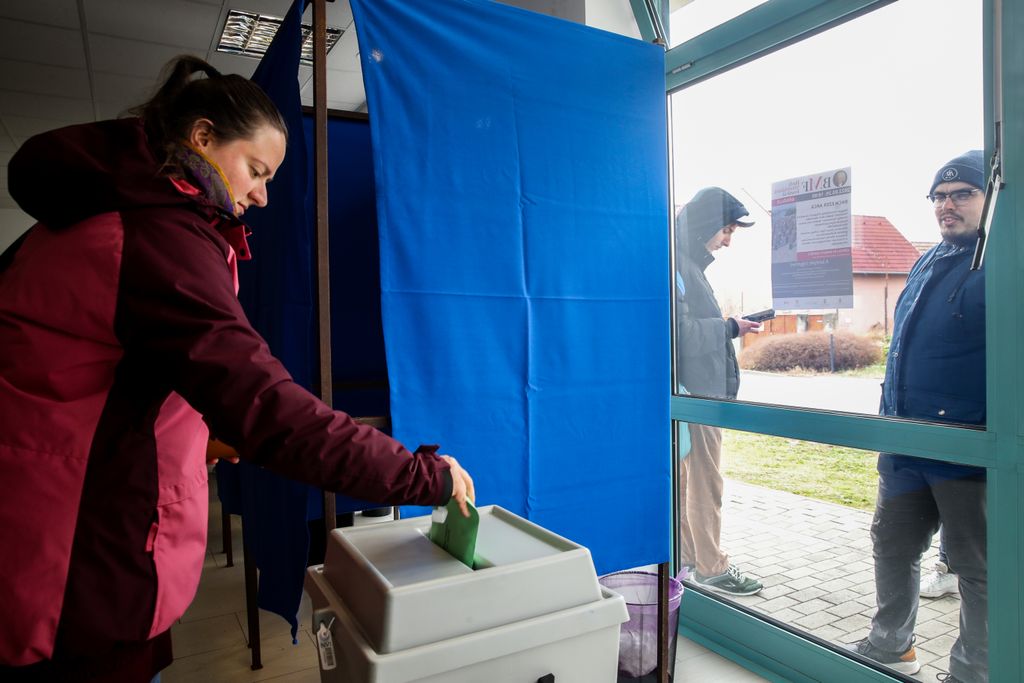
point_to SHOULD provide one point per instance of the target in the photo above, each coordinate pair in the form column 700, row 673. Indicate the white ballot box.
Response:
column 389, row 606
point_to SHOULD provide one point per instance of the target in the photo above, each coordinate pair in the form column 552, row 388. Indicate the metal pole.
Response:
column 885, row 304
column 663, row 623
column 674, row 454
column 225, row 532
column 252, row 610
column 832, row 351
column 323, row 250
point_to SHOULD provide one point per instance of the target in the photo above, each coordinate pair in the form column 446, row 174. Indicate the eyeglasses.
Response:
column 959, row 197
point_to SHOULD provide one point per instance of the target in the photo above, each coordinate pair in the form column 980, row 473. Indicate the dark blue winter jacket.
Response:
column 936, row 365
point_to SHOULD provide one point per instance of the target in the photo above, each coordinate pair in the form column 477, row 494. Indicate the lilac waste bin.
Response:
column 638, row 637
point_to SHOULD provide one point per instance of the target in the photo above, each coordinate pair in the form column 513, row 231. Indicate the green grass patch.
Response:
column 876, row 371
column 836, row 474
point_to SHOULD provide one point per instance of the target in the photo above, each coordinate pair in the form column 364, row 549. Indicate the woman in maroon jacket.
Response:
column 120, row 331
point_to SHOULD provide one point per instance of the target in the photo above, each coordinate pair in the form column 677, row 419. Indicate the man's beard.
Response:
column 960, row 239
column 958, row 233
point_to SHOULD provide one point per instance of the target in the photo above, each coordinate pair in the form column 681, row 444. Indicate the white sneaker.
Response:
column 939, row 581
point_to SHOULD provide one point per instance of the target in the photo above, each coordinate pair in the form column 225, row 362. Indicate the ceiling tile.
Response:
column 110, row 110
column 339, row 13
column 13, row 222
column 342, row 86
column 170, row 22
column 43, row 79
column 126, row 91
column 245, row 66
column 345, row 51
column 25, row 42
column 344, row 106
column 43, row 82
column 31, row 105
column 275, row 8
column 233, row 64
column 345, row 85
column 7, row 145
column 62, row 13
column 24, row 127
column 131, row 57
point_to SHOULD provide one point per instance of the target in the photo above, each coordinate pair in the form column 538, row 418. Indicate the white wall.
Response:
column 612, row 15
column 13, row 222
column 609, row 15
column 573, row 10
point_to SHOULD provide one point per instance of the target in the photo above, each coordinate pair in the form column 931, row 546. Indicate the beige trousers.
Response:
column 700, row 502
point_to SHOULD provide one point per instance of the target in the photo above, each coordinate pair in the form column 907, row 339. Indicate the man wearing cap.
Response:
column 706, row 366
column 935, row 372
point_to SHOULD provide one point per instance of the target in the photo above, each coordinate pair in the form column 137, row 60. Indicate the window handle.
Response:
column 988, row 209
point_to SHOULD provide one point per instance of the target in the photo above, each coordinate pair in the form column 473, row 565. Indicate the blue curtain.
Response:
column 278, row 293
column 523, row 212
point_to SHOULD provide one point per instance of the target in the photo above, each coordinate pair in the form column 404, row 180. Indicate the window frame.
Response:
column 743, row 636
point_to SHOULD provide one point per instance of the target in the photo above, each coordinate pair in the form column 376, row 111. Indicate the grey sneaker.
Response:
column 939, row 581
column 903, row 662
column 731, row 582
column 944, row 677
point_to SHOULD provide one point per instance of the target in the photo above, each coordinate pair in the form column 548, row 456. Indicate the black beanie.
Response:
column 968, row 168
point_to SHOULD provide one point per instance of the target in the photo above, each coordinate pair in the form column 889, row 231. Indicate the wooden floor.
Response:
column 210, row 640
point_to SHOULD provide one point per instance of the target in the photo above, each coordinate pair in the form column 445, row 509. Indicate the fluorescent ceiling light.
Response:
column 250, row 34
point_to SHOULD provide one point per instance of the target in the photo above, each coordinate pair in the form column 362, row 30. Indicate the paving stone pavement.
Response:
column 814, row 559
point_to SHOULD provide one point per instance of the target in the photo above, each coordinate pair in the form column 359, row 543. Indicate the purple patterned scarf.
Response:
column 207, row 176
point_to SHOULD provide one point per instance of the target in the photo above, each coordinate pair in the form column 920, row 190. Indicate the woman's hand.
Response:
column 215, row 450
column 462, row 484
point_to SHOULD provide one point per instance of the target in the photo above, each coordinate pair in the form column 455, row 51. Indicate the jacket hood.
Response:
column 66, row 175
column 710, row 210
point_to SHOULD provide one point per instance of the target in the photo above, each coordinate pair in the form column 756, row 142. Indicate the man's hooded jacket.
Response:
column 705, row 358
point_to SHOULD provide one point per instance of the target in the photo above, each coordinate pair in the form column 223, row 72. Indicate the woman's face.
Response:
column 248, row 164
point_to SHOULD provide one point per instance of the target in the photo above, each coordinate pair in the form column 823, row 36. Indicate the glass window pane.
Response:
column 803, row 533
column 829, row 147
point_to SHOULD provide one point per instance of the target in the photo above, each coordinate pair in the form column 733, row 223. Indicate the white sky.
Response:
column 893, row 94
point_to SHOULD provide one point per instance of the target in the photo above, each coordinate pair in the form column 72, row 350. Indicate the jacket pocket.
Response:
column 938, row 407
column 177, row 541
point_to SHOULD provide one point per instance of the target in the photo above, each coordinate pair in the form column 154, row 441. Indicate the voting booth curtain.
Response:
column 523, row 211
column 519, row 174
column 278, row 292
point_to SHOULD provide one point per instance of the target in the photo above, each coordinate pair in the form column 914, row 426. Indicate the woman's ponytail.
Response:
column 236, row 106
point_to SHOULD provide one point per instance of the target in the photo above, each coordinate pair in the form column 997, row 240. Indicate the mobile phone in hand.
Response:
column 760, row 316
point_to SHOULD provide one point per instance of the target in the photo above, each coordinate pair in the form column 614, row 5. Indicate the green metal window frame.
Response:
column 777, row 653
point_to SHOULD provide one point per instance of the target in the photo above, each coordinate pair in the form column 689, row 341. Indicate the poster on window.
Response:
column 812, row 259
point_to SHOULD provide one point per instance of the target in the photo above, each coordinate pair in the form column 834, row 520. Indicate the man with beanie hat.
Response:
column 706, row 366
column 935, row 372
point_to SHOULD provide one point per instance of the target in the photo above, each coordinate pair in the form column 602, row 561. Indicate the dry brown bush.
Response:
column 810, row 350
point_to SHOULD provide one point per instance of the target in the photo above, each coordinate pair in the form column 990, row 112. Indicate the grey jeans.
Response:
column 912, row 501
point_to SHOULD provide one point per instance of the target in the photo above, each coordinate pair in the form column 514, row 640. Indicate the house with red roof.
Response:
column 882, row 259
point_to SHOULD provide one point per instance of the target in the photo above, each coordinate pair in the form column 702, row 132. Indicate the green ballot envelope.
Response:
column 455, row 533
